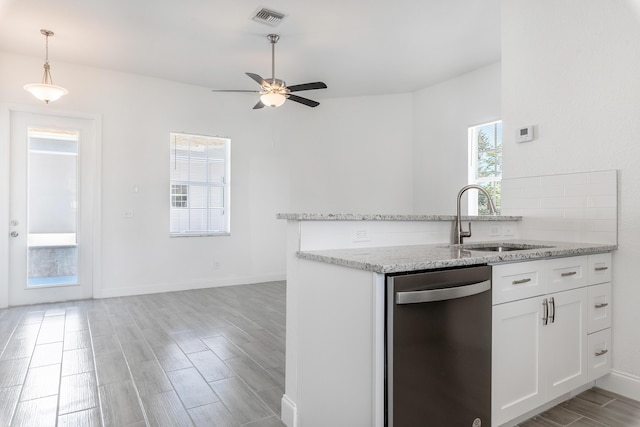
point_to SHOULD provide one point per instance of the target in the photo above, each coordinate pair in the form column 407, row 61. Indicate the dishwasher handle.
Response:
column 443, row 294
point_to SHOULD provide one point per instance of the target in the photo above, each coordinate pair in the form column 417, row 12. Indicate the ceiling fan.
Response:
column 274, row 92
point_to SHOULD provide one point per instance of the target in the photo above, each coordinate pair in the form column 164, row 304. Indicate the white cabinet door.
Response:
column 564, row 342
column 518, row 375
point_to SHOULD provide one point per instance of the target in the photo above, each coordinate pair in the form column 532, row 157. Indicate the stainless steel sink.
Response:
column 500, row 247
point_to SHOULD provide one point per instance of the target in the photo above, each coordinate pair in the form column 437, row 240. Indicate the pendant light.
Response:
column 46, row 91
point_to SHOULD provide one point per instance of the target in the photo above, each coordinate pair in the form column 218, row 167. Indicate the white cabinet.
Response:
column 599, row 307
column 599, row 316
column 550, row 331
column 517, row 378
column 599, row 354
column 539, row 351
column 565, row 350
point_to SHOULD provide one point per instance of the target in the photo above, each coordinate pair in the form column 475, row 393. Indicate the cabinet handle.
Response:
column 552, row 316
column 601, row 352
column 545, row 317
column 521, row 281
column 601, row 268
column 569, row 273
column 604, row 304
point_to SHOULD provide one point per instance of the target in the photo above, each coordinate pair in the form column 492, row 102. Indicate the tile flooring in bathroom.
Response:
column 210, row 357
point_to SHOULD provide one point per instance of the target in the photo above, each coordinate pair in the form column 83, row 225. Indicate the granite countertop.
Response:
column 396, row 259
column 390, row 217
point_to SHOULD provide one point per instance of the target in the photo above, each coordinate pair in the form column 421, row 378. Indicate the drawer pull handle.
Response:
column 601, row 352
column 521, row 281
column 601, row 268
column 601, row 305
column 569, row 273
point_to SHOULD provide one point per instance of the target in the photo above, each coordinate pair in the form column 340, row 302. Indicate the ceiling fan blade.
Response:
column 304, row 101
column 307, row 86
column 258, row 105
column 257, row 78
column 234, row 90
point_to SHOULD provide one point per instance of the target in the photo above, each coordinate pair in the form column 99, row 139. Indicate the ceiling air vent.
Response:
column 268, row 17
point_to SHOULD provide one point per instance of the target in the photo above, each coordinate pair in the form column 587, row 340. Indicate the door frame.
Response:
column 94, row 162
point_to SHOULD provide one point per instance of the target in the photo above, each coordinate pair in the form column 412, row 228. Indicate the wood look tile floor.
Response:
column 210, row 357
column 593, row 408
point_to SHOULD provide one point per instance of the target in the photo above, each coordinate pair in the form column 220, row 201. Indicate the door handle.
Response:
column 552, row 316
column 14, row 234
column 545, row 317
column 433, row 295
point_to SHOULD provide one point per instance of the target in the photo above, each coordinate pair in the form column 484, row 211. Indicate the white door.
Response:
column 52, row 174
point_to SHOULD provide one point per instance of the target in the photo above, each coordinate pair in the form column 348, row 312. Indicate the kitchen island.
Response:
column 336, row 266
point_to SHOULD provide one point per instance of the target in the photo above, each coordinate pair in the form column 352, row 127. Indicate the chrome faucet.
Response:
column 460, row 234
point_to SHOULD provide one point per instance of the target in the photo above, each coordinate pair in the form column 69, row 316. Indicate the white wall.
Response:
column 352, row 155
column 346, row 155
column 570, row 68
column 442, row 115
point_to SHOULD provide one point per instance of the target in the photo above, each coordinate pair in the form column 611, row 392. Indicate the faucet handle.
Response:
column 464, row 234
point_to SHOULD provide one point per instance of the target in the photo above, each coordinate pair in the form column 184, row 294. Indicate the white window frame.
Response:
column 473, row 167
column 224, row 184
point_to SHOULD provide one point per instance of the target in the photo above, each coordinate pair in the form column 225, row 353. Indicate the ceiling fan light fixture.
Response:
column 272, row 99
column 46, row 91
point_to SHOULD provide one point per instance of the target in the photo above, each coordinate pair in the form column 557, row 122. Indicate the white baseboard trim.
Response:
column 289, row 412
column 155, row 288
column 622, row 383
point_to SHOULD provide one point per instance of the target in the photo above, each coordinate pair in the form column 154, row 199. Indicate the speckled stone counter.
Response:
column 389, row 217
column 396, row 259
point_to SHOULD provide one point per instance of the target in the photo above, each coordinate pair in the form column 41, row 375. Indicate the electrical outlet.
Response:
column 128, row 213
column 360, row 236
column 495, row 230
column 507, row 230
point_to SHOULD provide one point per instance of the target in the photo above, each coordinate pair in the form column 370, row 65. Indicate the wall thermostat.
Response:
column 524, row 134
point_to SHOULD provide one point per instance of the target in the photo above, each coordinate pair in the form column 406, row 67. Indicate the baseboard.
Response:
column 289, row 413
column 156, row 288
column 627, row 385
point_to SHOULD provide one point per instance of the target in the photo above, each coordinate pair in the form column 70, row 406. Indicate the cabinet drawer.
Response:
column 599, row 268
column 567, row 273
column 521, row 280
column 599, row 307
column 599, row 354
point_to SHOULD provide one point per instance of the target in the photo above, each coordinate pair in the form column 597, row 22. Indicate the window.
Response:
column 199, row 187
column 485, row 165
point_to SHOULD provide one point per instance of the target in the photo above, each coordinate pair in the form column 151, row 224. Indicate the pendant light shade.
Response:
column 46, row 91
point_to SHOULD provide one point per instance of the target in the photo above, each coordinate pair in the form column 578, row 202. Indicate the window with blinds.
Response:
column 199, row 187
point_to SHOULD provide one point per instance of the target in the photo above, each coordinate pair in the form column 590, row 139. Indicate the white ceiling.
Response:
column 357, row 47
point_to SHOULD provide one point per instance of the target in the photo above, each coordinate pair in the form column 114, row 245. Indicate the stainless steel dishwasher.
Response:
column 438, row 348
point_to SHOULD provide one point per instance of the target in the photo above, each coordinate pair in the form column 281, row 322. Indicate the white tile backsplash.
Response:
column 576, row 207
